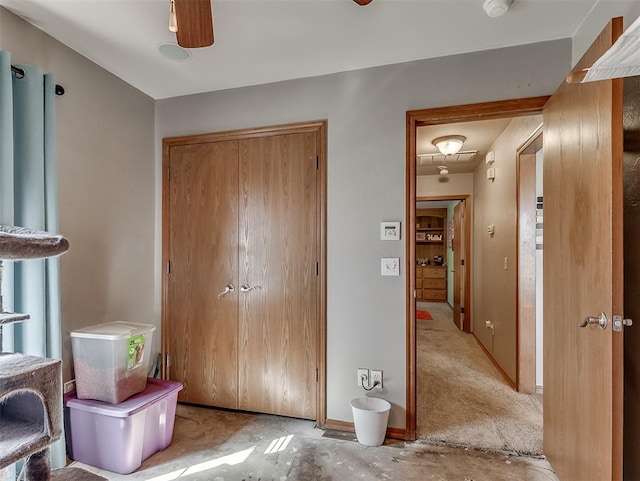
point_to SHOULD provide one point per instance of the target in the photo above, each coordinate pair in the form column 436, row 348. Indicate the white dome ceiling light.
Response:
column 496, row 8
column 443, row 170
column 449, row 144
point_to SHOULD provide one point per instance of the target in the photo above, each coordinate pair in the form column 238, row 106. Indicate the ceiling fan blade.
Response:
column 363, row 2
column 195, row 23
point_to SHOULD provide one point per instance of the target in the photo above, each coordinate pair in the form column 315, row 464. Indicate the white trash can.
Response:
column 370, row 417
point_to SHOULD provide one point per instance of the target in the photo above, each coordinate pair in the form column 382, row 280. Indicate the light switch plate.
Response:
column 390, row 266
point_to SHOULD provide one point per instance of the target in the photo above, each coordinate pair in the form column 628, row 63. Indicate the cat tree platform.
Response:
column 30, row 405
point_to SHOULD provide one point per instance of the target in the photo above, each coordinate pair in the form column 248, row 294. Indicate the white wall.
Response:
column 601, row 13
column 494, row 287
column 438, row 185
column 106, row 185
column 366, row 112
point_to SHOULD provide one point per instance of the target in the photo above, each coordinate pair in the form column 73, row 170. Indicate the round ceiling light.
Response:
column 174, row 52
column 443, row 170
column 496, row 8
column 449, row 144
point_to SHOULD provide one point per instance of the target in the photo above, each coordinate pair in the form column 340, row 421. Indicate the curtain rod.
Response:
column 20, row 73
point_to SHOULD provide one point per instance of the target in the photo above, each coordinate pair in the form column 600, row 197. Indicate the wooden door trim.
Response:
column 617, row 242
column 250, row 133
column 321, row 184
column 525, row 266
column 320, row 128
column 414, row 119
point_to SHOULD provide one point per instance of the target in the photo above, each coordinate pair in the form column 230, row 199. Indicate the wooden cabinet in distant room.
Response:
column 431, row 283
column 431, row 271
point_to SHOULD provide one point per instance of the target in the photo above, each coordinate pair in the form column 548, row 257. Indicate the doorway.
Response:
column 530, row 200
column 494, row 110
column 443, row 254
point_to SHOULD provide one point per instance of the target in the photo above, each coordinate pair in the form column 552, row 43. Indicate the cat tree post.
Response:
column 31, row 415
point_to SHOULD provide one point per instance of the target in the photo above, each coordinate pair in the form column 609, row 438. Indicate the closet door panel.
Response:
column 202, row 327
column 278, row 254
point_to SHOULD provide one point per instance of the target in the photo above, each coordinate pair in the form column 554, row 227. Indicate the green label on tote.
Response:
column 135, row 351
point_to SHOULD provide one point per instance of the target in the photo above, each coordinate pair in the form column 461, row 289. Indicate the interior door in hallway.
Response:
column 459, row 264
column 278, row 332
column 583, row 272
column 201, row 328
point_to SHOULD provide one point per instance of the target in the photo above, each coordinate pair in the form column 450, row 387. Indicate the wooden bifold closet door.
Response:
column 243, row 213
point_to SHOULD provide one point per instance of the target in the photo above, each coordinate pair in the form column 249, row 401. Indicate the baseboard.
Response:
column 339, row 425
column 392, row 433
column 495, row 363
column 539, row 389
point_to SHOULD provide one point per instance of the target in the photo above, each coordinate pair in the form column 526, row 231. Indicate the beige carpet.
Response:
column 463, row 400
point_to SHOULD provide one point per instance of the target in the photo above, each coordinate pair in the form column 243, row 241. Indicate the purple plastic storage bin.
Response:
column 118, row 437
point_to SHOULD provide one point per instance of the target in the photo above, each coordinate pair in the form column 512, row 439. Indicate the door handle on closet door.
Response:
column 247, row 288
column 227, row 289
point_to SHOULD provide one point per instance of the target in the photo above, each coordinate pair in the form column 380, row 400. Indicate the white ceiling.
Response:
column 480, row 136
column 262, row 41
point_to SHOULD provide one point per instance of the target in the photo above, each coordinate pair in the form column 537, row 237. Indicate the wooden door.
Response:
column 201, row 332
column 278, row 259
column 458, row 264
column 583, row 274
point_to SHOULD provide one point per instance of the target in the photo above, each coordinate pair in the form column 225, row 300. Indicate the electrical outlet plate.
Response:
column 376, row 376
column 361, row 373
column 69, row 386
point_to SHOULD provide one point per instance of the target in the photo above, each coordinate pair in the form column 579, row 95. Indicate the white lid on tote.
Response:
column 113, row 330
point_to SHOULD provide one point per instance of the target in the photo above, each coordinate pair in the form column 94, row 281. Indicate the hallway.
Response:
column 463, row 400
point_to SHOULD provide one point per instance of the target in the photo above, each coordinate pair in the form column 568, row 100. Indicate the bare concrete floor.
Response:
column 218, row 445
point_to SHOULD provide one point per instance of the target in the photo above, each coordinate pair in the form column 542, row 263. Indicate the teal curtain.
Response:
column 28, row 198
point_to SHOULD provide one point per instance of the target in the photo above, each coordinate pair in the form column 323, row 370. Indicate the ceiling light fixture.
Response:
column 173, row 51
column 173, row 19
column 443, row 169
column 496, row 8
column 449, row 144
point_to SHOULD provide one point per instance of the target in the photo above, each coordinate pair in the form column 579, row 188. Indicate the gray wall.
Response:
column 494, row 287
column 366, row 112
column 106, row 184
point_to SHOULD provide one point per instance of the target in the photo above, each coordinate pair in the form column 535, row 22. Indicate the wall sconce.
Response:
column 443, row 170
column 449, row 144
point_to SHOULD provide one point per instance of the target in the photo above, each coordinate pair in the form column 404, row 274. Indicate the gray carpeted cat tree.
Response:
column 31, row 387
